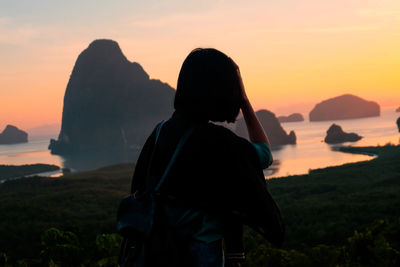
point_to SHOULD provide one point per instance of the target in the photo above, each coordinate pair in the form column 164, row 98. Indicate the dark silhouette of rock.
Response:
column 335, row 135
column 398, row 123
column 13, row 135
column 344, row 107
column 276, row 134
column 291, row 118
column 110, row 103
column 398, row 109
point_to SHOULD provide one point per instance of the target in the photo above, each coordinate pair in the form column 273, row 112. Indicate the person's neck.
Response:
column 189, row 117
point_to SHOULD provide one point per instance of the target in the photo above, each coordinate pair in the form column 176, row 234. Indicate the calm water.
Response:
column 309, row 153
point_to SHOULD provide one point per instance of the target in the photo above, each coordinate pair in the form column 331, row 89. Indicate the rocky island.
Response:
column 13, row 135
column 398, row 109
column 336, row 135
column 343, row 108
column 276, row 134
column 291, row 118
column 110, row 103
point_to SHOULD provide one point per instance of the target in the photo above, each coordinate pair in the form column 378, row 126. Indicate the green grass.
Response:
column 324, row 207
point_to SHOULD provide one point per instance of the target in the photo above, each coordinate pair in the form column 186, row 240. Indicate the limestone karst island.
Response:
column 344, row 107
column 112, row 97
column 13, row 135
column 336, row 135
column 276, row 134
column 295, row 117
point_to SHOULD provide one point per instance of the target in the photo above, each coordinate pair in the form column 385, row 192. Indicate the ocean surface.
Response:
column 310, row 152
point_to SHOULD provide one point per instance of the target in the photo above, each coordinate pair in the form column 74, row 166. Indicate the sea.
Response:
column 310, row 152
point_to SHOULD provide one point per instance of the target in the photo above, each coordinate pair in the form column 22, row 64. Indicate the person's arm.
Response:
column 254, row 128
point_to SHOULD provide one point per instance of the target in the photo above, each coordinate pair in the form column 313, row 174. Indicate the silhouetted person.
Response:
column 216, row 184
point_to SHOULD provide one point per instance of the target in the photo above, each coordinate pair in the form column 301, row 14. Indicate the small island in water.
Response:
column 344, row 107
column 291, row 118
column 276, row 134
column 13, row 135
column 398, row 109
column 336, row 135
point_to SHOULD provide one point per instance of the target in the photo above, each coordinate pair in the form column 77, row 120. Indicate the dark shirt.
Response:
column 216, row 172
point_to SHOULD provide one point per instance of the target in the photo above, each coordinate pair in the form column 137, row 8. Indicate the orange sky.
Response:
column 292, row 54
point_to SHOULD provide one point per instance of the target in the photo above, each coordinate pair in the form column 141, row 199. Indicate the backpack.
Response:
column 138, row 217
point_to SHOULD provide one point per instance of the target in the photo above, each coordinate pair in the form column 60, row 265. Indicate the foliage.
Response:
column 326, row 206
column 108, row 246
column 321, row 210
column 370, row 248
column 83, row 203
column 3, row 259
column 367, row 248
column 61, row 248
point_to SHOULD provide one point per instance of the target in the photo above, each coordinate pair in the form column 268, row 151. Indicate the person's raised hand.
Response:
column 244, row 98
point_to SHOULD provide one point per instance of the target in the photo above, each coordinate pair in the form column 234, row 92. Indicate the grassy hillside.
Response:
column 84, row 203
column 328, row 204
column 324, row 207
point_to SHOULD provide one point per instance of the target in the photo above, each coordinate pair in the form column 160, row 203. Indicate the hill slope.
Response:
column 324, row 207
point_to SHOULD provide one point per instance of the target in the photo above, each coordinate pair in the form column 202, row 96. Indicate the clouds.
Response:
column 13, row 34
column 393, row 14
column 322, row 30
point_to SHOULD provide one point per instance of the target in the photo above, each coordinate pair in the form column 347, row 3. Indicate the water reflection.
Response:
column 305, row 157
column 311, row 152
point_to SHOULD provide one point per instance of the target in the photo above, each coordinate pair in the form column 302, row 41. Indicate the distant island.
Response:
column 295, row 117
column 110, row 104
column 344, row 107
column 276, row 134
column 336, row 135
column 13, row 135
column 398, row 109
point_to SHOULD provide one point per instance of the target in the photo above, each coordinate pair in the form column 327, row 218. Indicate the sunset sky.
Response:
column 292, row 53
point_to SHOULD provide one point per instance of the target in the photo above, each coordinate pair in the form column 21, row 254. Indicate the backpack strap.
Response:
column 149, row 178
column 159, row 126
column 182, row 141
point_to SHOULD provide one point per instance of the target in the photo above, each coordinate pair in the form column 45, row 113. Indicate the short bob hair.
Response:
column 208, row 86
